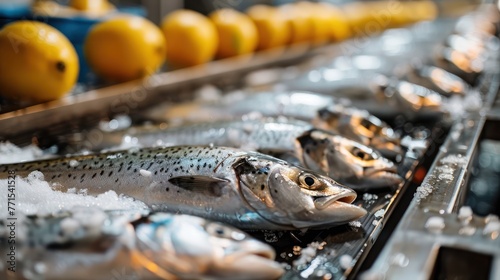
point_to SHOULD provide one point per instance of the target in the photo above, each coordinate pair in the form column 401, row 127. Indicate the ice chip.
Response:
column 435, row 224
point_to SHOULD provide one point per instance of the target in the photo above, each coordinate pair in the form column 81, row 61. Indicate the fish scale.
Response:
column 264, row 134
column 220, row 183
column 121, row 172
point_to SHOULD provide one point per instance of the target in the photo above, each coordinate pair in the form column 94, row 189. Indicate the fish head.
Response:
column 418, row 97
column 292, row 196
column 192, row 247
column 369, row 169
column 347, row 161
column 361, row 126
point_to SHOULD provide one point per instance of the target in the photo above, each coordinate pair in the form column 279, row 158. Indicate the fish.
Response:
column 438, row 80
column 298, row 105
column 248, row 190
column 414, row 100
column 190, row 247
column 461, row 64
column 275, row 136
column 361, row 126
column 258, row 134
column 116, row 245
column 353, row 163
column 295, row 104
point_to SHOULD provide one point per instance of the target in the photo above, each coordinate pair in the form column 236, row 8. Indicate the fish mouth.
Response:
column 383, row 178
column 382, row 172
column 337, row 209
column 255, row 262
column 347, row 196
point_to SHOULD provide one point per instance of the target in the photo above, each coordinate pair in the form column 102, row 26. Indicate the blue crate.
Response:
column 10, row 12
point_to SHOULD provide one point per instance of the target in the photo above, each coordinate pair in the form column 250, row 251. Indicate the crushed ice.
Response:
column 35, row 196
column 345, row 262
column 449, row 165
column 10, row 153
column 308, row 253
column 435, row 224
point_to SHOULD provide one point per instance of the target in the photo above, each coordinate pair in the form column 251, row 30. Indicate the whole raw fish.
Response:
column 88, row 242
column 245, row 189
column 361, row 126
column 298, row 105
column 288, row 139
column 353, row 163
column 438, row 80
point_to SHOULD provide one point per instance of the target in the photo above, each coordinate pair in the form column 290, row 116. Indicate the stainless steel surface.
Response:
column 412, row 251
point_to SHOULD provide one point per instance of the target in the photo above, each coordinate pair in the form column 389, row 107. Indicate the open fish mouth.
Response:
column 382, row 172
column 345, row 197
column 256, row 261
column 388, row 175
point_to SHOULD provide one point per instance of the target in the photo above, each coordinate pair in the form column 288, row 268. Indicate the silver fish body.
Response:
column 275, row 136
column 299, row 105
column 261, row 134
column 160, row 246
column 189, row 247
column 361, row 126
column 438, row 80
column 244, row 189
column 413, row 99
column 351, row 162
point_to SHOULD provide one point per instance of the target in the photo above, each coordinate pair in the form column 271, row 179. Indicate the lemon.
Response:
column 191, row 36
column 360, row 19
column 271, row 25
column 422, row 10
column 339, row 26
column 236, row 31
column 319, row 22
column 37, row 62
column 125, row 48
column 299, row 23
column 94, row 7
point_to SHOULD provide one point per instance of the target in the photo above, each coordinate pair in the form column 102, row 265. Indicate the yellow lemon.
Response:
column 125, row 48
column 422, row 10
column 299, row 23
column 339, row 26
column 191, row 36
column 236, row 31
column 319, row 20
column 271, row 25
column 359, row 18
column 94, row 7
column 37, row 62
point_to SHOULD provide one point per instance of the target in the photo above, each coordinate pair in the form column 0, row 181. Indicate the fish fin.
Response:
column 211, row 186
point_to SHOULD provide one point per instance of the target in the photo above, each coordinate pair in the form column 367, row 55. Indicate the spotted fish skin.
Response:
column 296, row 104
column 128, row 173
column 210, row 182
column 156, row 246
column 281, row 137
column 262, row 134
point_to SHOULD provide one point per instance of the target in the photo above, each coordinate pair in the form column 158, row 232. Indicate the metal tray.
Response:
column 341, row 250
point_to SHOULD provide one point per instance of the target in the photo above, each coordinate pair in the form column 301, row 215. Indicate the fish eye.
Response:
column 310, row 181
column 361, row 154
column 216, row 229
column 366, row 124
